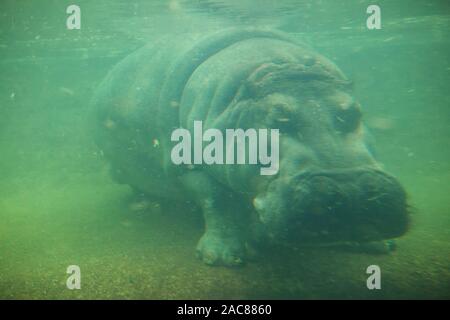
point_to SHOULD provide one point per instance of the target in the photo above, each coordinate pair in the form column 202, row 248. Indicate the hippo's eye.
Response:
column 284, row 125
column 282, row 117
column 347, row 119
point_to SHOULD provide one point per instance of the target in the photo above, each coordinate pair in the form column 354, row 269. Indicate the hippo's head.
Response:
column 329, row 187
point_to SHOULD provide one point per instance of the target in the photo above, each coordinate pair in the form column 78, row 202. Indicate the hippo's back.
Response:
column 137, row 105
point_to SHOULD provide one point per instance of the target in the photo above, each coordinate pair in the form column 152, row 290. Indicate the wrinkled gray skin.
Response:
column 329, row 187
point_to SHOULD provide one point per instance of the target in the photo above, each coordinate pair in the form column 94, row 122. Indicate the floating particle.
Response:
column 67, row 91
column 110, row 124
column 380, row 123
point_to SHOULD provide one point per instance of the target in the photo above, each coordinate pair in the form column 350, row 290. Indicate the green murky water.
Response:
column 59, row 207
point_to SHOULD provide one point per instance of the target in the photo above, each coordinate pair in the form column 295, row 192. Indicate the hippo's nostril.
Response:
column 377, row 185
column 358, row 204
column 383, row 201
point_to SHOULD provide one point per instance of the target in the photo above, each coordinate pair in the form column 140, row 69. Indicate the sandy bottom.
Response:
column 145, row 251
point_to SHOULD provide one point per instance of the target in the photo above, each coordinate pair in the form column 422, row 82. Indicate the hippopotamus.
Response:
column 329, row 187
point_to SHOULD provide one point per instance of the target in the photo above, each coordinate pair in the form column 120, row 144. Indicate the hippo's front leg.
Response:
column 223, row 241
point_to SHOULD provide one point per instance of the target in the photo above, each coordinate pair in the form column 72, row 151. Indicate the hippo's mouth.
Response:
column 343, row 205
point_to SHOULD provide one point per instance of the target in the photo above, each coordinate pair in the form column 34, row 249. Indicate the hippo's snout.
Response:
column 359, row 205
column 344, row 205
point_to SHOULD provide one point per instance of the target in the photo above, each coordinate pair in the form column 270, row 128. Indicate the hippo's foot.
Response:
column 216, row 249
column 223, row 242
